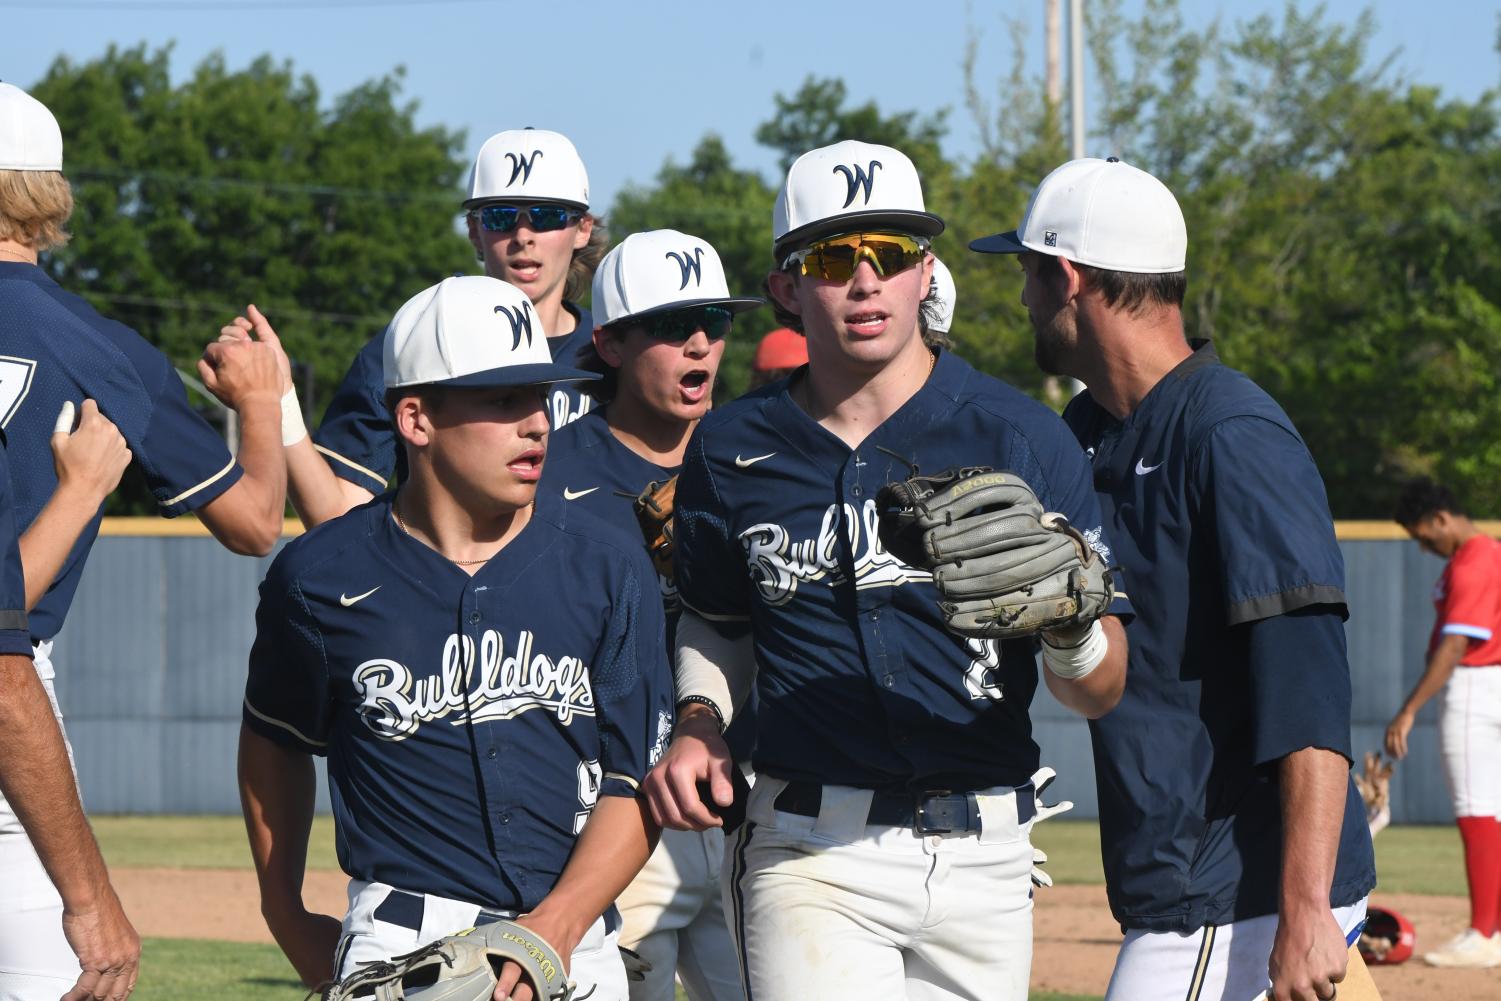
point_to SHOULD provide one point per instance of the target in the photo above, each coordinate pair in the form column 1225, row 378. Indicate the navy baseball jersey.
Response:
column 470, row 723
column 15, row 638
column 859, row 682
column 57, row 349
column 588, row 467
column 1237, row 651
column 357, row 436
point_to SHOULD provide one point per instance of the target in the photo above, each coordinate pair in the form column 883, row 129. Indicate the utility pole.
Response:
column 1076, row 71
column 1053, row 18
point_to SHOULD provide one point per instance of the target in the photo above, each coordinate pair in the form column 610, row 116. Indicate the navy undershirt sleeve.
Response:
column 1300, row 683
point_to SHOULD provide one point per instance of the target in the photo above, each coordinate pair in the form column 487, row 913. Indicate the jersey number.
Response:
column 589, row 775
column 15, row 383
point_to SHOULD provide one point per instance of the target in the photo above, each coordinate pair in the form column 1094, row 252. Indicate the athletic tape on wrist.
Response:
column 293, row 428
column 1074, row 662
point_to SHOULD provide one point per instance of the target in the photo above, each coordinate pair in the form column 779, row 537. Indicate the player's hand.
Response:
column 246, row 362
column 1308, row 955
column 309, row 941
column 91, row 458
column 1396, row 734
column 698, row 754
column 560, row 933
column 108, row 949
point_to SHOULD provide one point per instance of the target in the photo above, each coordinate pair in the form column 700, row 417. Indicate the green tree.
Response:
column 242, row 186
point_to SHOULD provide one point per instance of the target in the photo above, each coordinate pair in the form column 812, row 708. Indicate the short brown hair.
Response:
column 34, row 206
column 585, row 260
column 1130, row 291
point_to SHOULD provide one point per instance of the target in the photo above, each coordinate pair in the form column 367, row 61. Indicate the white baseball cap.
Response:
column 946, row 294
column 1103, row 213
column 528, row 165
column 658, row 271
column 849, row 186
column 29, row 136
column 471, row 330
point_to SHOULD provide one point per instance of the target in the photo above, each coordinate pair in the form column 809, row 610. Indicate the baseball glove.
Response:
column 654, row 513
column 1004, row 567
column 462, row 967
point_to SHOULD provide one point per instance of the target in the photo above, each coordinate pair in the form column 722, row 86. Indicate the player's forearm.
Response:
column 1100, row 690
column 614, row 845
column 1440, row 668
column 316, row 492
column 277, row 795
column 714, row 663
column 50, row 537
column 1314, row 784
column 38, row 782
column 247, row 518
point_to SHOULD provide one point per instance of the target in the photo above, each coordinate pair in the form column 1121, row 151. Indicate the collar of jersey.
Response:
column 430, row 569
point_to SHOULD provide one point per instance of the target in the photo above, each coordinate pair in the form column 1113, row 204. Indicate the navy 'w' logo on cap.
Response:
column 690, row 262
column 521, row 166
column 857, row 177
column 521, row 322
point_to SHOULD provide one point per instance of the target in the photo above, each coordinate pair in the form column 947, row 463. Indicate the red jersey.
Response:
column 1467, row 599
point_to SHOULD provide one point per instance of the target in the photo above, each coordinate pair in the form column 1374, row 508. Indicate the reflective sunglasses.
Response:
column 681, row 324
column 835, row 259
column 542, row 218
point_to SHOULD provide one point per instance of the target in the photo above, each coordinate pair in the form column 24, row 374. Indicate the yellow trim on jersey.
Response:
column 624, row 778
column 330, row 453
column 193, row 490
column 285, row 726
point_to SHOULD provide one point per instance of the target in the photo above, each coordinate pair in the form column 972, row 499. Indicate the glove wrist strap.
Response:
column 1076, row 660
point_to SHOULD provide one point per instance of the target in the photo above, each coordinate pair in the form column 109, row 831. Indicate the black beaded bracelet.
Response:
column 704, row 700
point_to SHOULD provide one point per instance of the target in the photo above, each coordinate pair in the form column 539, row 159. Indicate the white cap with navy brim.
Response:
column 845, row 188
column 471, row 331
column 29, row 135
column 944, row 295
column 528, row 166
column 659, row 271
column 1103, row 213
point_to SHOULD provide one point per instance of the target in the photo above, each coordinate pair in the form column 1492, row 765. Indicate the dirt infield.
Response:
column 1075, row 936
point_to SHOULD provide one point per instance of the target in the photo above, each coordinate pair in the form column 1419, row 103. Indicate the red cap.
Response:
column 782, row 348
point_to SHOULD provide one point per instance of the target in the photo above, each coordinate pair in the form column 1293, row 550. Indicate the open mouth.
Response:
column 866, row 322
column 528, row 465
column 694, row 385
column 524, row 268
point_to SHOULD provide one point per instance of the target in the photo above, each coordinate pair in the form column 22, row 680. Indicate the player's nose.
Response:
column 866, row 279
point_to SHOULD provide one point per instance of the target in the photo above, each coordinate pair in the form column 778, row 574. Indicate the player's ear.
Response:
column 471, row 221
column 581, row 237
column 413, row 419
column 1073, row 279
column 607, row 345
column 782, row 285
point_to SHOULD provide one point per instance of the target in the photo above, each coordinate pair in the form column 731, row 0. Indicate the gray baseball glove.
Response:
column 1004, row 567
column 462, row 967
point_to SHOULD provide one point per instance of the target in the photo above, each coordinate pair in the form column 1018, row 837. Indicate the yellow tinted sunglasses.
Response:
column 835, row 259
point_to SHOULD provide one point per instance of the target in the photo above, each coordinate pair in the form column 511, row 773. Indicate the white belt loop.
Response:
column 999, row 822
column 843, row 813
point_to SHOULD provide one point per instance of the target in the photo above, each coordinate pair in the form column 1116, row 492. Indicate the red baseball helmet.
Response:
column 1387, row 939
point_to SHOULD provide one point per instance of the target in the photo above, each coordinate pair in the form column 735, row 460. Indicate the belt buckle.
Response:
column 919, row 815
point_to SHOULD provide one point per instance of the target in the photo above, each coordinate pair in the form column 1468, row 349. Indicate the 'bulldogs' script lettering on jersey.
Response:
column 393, row 705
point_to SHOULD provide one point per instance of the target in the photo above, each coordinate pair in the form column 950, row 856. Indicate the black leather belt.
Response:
column 936, row 811
column 406, row 909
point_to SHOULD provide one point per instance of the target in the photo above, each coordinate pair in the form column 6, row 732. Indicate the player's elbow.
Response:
column 252, row 538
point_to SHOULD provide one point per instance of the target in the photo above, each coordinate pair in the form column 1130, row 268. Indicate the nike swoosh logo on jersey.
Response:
column 576, row 494
column 1142, row 469
column 742, row 463
column 346, row 600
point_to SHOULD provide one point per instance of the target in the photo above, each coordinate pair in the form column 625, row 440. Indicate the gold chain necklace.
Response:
column 463, row 563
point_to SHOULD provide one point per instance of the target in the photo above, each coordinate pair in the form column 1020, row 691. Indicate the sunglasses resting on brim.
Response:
column 835, row 258
column 542, row 218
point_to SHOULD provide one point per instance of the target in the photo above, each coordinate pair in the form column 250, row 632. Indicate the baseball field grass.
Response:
column 1425, row 860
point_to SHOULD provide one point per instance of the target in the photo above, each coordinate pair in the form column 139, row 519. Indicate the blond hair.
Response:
column 34, row 206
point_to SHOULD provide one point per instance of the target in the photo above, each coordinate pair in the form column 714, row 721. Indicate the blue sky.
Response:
column 636, row 82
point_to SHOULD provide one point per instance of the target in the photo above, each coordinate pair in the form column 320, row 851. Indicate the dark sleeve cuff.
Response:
column 280, row 733
column 1299, row 684
column 15, row 642
column 1265, row 606
column 348, row 469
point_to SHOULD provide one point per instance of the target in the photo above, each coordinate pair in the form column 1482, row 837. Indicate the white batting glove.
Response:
column 1041, row 779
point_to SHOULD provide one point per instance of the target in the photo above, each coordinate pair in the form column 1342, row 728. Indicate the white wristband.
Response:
column 293, row 428
column 1076, row 661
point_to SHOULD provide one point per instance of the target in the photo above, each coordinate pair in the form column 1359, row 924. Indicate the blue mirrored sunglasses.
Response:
column 541, row 218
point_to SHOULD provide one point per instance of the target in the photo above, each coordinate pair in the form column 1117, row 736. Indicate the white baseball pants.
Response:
column 673, row 915
column 830, row 907
column 1469, row 736
column 36, row 963
column 595, row 964
column 1225, row 963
